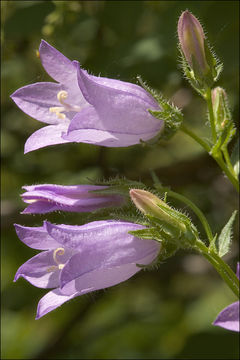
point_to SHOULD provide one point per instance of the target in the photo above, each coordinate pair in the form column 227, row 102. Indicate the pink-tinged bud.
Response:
column 222, row 114
column 192, row 38
column 150, row 204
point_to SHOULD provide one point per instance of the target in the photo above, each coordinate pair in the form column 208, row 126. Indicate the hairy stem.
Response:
column 222, row 268
column 218, row 158
column 197, row 211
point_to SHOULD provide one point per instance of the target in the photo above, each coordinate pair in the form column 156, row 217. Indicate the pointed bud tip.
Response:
column 191, row 38
column 146, row 202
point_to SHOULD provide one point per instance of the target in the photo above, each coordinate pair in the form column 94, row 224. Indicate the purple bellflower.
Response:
column 228, row 318
column 76, row 260
column 77, row 198
column 84, row 108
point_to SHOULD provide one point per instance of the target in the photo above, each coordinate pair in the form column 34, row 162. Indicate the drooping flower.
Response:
column 84, row 108
column 76, row 198
column 228, row 318
column 76, row 260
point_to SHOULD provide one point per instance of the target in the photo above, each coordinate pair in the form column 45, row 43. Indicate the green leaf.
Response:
column 224, row 239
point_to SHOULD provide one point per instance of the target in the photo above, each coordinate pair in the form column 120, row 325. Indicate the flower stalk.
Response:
column 222, row 268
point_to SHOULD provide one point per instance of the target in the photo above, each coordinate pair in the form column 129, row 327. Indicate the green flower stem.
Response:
column 228, row 161
column 194, row 136
column 218, row 158
column 197, row 211
column 208, row 97
column 222, row 268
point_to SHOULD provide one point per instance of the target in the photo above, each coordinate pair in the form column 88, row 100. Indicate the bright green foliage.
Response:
column 224, row 239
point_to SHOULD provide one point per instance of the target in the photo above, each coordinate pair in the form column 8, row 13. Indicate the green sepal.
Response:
column 180, row 217
column 168, row 249
column 166, row 229
column 224, row 239
column 117, row 186
column 190, row 75
column 170, row 114
column 198, row 80
column 148, row 233
column 215, row 65
column 224, row 138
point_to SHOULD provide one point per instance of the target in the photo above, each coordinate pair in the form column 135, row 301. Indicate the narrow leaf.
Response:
column 224, row 239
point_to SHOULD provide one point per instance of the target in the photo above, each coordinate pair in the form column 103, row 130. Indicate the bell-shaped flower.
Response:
column 228, row 318
column 76, row 260
column 76, row 198
column 84, row 108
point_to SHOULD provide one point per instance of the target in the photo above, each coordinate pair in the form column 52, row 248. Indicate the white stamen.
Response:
column 62, row 96
column 58, row 111
column 58, row 252
column 30, row 201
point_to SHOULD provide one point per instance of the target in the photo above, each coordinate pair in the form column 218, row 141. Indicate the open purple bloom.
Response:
column 228, row 318
column 75, row 198
column 85, row 108
column 76, row 260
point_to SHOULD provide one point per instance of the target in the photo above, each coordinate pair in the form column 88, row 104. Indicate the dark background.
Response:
column 162, row 314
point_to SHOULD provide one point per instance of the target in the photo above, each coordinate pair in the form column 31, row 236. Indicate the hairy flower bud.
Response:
column 221, row 110
column 191, row 38
column 150, row 204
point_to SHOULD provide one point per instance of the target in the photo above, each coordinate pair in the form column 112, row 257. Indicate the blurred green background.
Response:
column 164, row 314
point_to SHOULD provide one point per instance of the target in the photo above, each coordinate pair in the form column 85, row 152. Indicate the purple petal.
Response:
column 109, row 255
column 228, row 318
column 62, row 70
column 88, row 127
column 58, row 66
column 71, row 190
column 104, row 277
column 41, row 207
column 113, row 84
column 77, row 198
column 118, row 111
column 46, row 136
column 89, row 282
column 36, row 237
column 51, row 301
column 35, row 270
column 104, row 138
column 36, row 100
column 127, row 87
column 94, row 235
